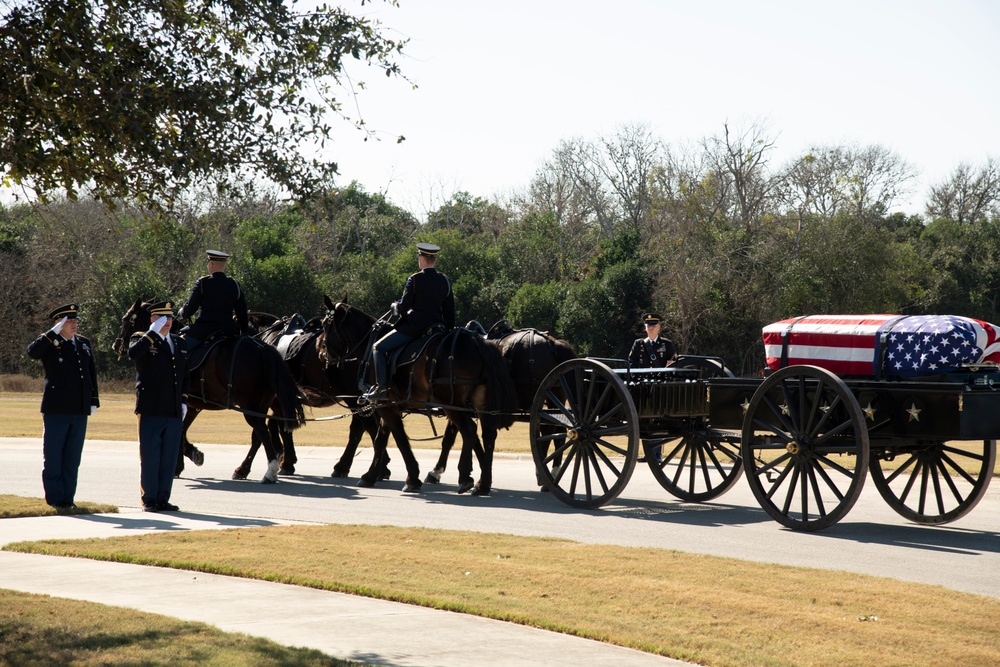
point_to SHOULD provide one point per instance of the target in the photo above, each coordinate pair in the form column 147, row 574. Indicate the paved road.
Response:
column 872, row 539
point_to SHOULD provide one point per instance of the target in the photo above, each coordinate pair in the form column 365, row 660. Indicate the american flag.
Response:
column 904, row 345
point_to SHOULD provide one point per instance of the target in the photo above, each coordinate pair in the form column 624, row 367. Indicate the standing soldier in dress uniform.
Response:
column 68, row 399
column 427, row 300
column 161, row 388
column 651, row 351
column 219, row 298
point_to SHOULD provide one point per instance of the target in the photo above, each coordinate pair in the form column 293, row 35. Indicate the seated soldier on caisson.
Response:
column 653, row 351
column 219, row 298
column 427, row 300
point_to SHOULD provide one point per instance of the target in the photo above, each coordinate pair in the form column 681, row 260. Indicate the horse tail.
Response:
column 501, row 399
column 286, row 391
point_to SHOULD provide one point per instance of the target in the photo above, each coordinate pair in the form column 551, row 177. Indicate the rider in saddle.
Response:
column 219, row 298
column 427, row 301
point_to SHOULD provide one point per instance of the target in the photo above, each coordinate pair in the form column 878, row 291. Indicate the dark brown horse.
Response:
column 458, row 372
column 238, row 373
column 322, row 382
column 530, row 355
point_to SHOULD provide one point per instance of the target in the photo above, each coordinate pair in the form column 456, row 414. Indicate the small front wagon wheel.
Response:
column 698, row 466
column 805, row 447
column 584, row 433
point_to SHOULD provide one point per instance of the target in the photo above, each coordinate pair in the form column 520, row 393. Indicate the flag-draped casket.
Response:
column 882, row 345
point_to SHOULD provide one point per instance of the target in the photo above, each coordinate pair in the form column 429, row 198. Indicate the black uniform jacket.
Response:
column 161, row 377
column 219, row 297
column 647, row 354
column 70, row 376
column 427, row 300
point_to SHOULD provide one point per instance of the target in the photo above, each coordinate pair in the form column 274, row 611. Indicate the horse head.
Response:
column 346, row 330
column 136, row 318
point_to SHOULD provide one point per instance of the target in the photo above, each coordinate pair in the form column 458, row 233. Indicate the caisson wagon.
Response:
column 912, row 401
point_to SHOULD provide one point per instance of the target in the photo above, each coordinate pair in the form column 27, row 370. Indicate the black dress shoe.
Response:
column 167, row 507
column 150, row 508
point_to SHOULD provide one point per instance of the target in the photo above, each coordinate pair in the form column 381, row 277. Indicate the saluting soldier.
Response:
column 427, row 301
column 161, row 389
column 220, row 299
column 69, row 397
column 653, row 351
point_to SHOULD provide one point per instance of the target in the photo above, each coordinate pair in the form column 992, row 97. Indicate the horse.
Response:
column 322, row 383
column 530, row 355
column 459, row 372
column 237, row 373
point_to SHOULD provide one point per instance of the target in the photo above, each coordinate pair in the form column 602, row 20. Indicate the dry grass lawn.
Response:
column 116, row 420
column 709, row 610
column 44, row 631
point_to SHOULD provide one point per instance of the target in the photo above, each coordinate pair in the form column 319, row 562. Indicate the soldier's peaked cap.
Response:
column 428, row 249
column 217, row 255
column 69, row 310
column 651, row 318
column 162, row 308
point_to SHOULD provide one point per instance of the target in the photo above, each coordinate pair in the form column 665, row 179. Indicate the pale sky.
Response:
column 500, row 84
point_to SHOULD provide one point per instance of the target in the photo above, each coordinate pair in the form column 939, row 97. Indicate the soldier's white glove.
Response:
column 395, row 308
column 93, row 410
column 57, row 329
column 158, row 324
column 184, row 411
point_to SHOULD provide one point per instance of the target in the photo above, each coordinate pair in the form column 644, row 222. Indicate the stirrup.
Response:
column 374, row 395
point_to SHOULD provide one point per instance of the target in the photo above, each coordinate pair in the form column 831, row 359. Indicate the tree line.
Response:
column 716, row 237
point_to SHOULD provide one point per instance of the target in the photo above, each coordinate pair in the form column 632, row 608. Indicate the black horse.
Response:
column 530, row 355
column 458, row 372
column 237, row 373
column 322, row 382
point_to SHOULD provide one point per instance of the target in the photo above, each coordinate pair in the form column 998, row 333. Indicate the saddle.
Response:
column 200, row 353
column 291, row 340
column 407, row 354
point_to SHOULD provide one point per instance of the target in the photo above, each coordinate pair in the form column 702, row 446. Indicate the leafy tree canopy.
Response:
column 135, row 99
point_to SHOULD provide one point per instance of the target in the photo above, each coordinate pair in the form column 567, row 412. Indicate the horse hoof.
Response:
column 287, row 471
column 412, row 488
column 465, row 487
column 239, row 474
column 198, row 458
column 339, row 473
column 366, row 483
column 481, row 491
column 385, row 475
column 433, row 478
column 268, row 480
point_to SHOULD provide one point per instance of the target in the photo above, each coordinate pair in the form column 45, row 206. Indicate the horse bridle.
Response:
column 324, row 353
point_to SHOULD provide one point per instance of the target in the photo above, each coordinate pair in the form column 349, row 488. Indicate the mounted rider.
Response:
column 221, row 300
column 427, row 301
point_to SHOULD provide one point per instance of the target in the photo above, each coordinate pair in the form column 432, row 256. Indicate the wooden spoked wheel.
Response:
column 584, row 433
column 805, row 447
column 696, row 467
column 934, row 483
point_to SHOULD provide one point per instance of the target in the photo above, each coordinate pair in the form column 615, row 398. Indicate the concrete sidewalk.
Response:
column 346, row 626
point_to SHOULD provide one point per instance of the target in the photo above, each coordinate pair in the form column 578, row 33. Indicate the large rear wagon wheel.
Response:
column 934, row 483
column 805, row 447
column 699, row 466
column 584, row 433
